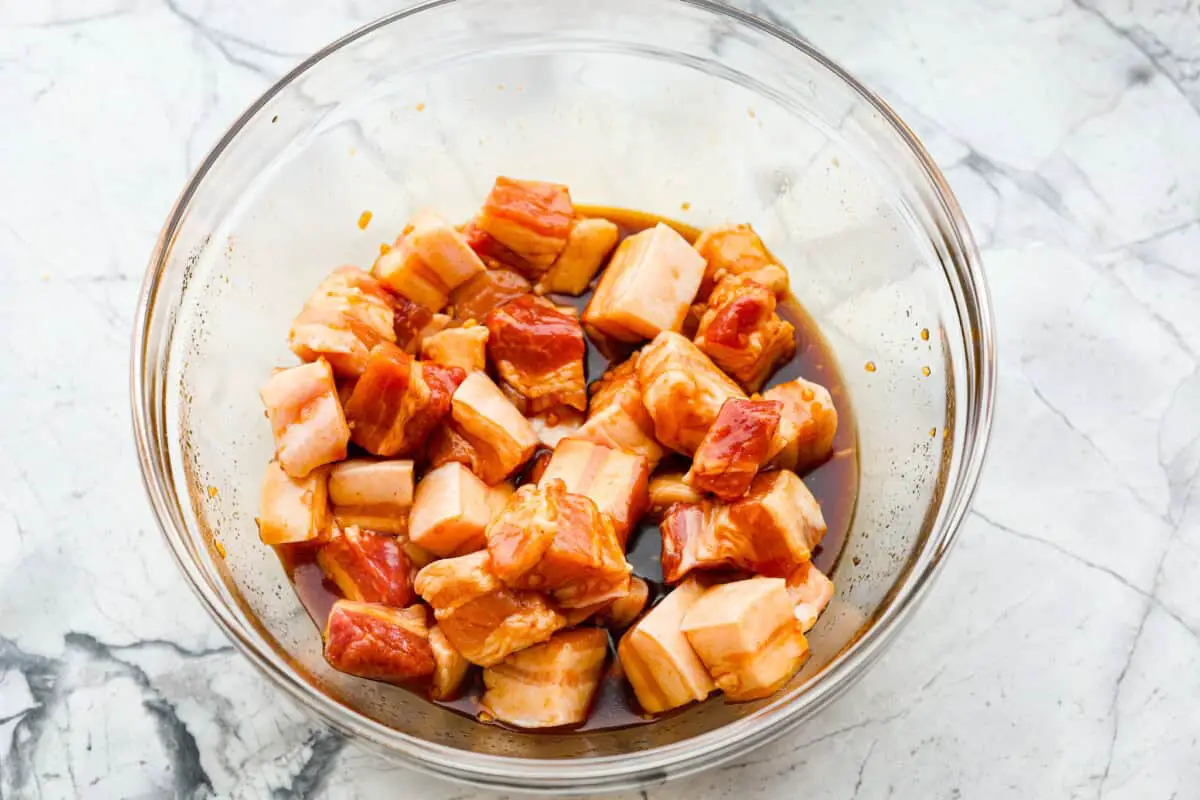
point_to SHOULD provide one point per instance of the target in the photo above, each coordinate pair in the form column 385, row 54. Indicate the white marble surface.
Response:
column 1056, row 657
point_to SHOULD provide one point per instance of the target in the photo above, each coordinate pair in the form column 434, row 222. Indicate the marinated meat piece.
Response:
column 588, row 244
column 747, row 637
column 556, row 424
column 464, row 348
column 730, row 249
column 523, row 225
column 374, row 495
column 349, row 313
column 451, row 510
column 683, row 391
column 450, row 668
column 476, row 298
column 618, row 418
column 735, row 447
column 367, row 567
column 449, row 444
column 306, row 417
column 548, row 685
column 413, row 323
column 398, row 401
column 501, row 439
column 810, row 591
column 614, row 480
column 741, row 332
column 428, row 261
column 648, row 286
column 483, row 620
column 770, row 531
column 552, row 541
column 667, row 489
column 657, row 659
column 293, row 509
column 377, row 642
column 807, row 424
column 539, row 351
column 622, row 612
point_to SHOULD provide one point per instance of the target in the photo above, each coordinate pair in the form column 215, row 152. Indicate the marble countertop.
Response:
column 1057, row 655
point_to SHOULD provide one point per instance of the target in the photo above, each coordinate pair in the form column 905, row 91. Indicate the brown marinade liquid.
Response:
column 834, row 484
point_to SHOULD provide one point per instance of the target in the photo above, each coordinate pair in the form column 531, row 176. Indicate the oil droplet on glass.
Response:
column 685, row 205
column 384, row 248
column 932, row 432
column 869, row 366
column 220, row 548
column 924, row 334
column 364, row 219
column 926, row 371
column 212, row 491
column 420, row 106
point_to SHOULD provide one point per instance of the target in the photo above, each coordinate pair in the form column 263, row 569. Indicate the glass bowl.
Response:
column 684, row 108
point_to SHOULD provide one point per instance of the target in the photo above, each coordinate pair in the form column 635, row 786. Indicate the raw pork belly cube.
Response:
column 349, row 313
column 486, row 419
column 811, row 592
column 550, row 684
column 683, row 390
column 558, row 543
column 476, row 298
column 741, row 332
column 372, row 494
column 450, row 668
column 293, row 509
column 539, row 351
column 482, row 619
column 624, row 610
column 735, row 447
column 747, row 636
column 667, row 489
column 451, row 511
column 770, row 531
column 807, row 424
column 648, row 286
column 618, row 418
column 657, row 659
column 465, row 348
column 523, row 224
column 556, row 424
column 733, row 250
column 429, row 260
column 306, row 417
column 588, row 244
column 413, row 323
column 367, row 567
column 377, row 642
column 614, row 480
column 398, row 402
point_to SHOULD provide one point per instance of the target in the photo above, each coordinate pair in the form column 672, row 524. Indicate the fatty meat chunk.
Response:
column 476, row 298
column 807, row 424
column 367, row 567
column 741, row 332
column 811, row 592
column 734, row 448
column 428, row 261
column 378, row 642
column 492, row 426
column 451, row 510
column 548, row 685
column 614, row 480
column 349, row 313
column 732, row 250
column 306, row 417
column 450, row 668
column 293, row 509
column 588, row 245
column 618, row 418
column 523, row 225
column 539, row 351
column 464, row 348
column 669, row 488
column 372, row 494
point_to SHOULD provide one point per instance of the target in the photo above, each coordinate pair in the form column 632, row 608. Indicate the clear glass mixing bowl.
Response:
column 680, row 107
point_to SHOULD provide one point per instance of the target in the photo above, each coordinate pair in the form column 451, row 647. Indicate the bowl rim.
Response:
column 591, row 773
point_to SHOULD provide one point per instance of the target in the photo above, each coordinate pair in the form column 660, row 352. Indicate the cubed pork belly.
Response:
column 655, row 655
column 747, row 636
column 614, row 480
column 588, row 245
column 450, row 668
column 618, row 418
column 741, row 332
column 451, row 510
column 683, row 391
column 476, row 298
column 556, row 424
column 413, row 323
column 464, row 348
column 730, row 250
column 378, row 642
column 523, row 225
column 667, row 489
column 736, row 445
column 399, row 401
column 491, row 427
column 559, row 543
column 484, row 620
column 293, row 509
column 807, row 424
column 811, row 592
column 428, row 261
column 648, row 286
column 539, row 351
column 349, row 313
column 548, row 685
column 622, row 612
column 367, row 567
column 770, row 530
column 306, row 417
column 372, row 494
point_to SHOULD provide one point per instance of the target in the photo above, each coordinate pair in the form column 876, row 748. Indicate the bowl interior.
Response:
column 667, row 107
